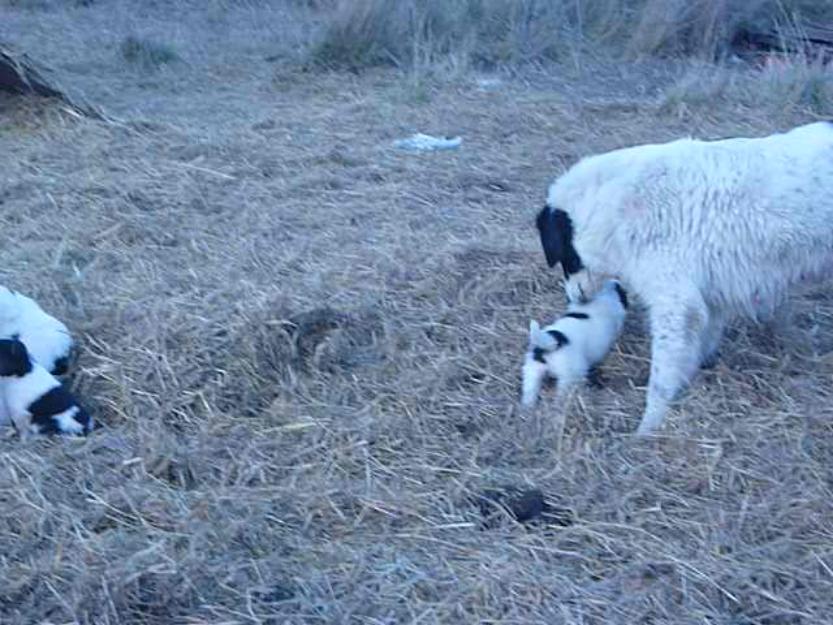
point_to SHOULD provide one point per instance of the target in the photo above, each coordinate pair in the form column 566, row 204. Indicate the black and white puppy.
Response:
column 47, row 339
column 33, row 400
column 569, row 348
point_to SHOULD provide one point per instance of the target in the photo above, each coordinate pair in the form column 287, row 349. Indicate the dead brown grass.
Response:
column 304, row 347
column 783, row 84
column 484, row 33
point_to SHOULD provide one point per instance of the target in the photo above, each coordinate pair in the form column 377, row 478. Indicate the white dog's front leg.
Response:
column 677, row 327
column 533, row 374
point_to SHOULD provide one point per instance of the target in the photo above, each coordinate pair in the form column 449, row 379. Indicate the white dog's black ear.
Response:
column 14, row 359
column 556, row 231
column 623, row 295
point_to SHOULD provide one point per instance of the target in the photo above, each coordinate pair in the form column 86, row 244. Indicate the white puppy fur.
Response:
column 570, row 347
column 47, row 339
column 32, row 399
column 701, row 231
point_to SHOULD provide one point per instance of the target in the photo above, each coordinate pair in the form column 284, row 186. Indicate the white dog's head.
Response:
column 555, row 228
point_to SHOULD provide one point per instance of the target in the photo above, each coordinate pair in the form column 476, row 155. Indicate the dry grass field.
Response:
column 304, row 344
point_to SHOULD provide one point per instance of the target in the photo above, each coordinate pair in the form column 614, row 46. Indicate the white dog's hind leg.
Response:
column 677, row 326
column 712, row 334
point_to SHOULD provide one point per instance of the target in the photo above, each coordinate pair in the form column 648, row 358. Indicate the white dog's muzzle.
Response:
column 581, row 286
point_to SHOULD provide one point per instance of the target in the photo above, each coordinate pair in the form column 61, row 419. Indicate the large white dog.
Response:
column 701, row 231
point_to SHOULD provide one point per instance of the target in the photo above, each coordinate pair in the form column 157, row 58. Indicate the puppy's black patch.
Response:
column 594, row 377
column 14, row 359
column 83, row 417
column 556, row 231
column 560, row 338
column 61, row 366
column 55, row 401
column 538, row 355
column 46, row 425
column 577, row 315
column 623, row 296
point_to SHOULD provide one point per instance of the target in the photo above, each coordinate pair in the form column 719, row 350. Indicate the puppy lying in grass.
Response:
column 32, row 399
column 573, row 345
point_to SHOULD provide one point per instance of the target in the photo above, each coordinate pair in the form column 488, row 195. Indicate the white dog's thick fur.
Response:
column 47, row 339
column 569, row 348
column 701, row 231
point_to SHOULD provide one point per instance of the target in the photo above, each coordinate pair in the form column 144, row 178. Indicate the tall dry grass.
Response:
column 783, row 85
column 486, row 32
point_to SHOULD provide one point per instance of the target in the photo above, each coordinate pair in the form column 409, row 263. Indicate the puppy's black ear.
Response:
column 14, row 359
column 61, row 366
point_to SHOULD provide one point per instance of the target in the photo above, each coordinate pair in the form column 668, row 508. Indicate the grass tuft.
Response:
column 147, row 53
column 784, row 86
column 419, row 32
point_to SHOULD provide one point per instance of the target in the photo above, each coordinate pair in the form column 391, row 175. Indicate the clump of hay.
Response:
column 147, row 53
column 20, row 74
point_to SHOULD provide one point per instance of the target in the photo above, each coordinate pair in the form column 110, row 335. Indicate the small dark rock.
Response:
column 314, row 322
column 273, row 593
column 527, row 505
column 466, row 428
column 266, row 124
column 655, row 570
column 307, row 330
column 524, row 505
